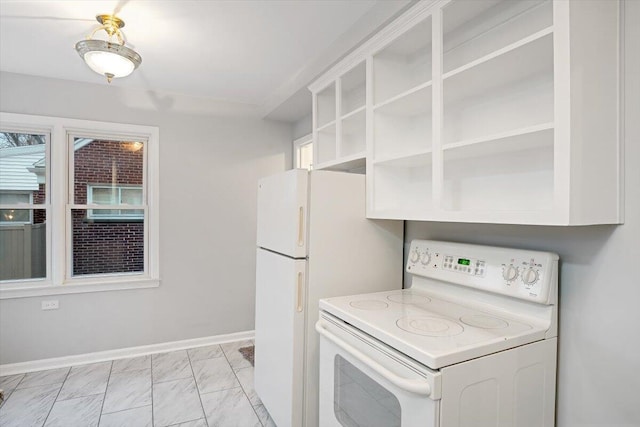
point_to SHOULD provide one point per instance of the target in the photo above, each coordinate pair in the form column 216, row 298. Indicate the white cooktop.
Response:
column 433, row 331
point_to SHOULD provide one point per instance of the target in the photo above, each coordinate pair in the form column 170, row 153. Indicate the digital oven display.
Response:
column 463, row 261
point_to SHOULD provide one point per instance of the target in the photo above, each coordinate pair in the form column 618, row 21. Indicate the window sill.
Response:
column 29, row 290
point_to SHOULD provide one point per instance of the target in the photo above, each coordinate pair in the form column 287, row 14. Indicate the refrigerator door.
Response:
column 279, row 335
column 282, row 213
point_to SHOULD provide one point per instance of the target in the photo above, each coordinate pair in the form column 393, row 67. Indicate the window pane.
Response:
column 131, row 196
column 101, row 247
column 23, row 167
column 23, row 247
column 105, row 196
column 15, row 216
column 361, row 401
column 15, row 198
column 105, row 163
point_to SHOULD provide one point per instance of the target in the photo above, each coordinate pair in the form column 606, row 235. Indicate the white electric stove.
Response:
column 472, row 342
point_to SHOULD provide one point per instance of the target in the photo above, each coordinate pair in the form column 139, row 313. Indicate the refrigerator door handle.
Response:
column 299, row 293
column 301, row 227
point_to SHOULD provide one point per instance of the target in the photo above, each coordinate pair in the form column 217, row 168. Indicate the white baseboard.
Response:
column 122, row 353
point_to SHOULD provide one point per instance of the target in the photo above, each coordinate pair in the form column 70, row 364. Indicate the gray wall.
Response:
column 599, row 345
column 211, row 155
column 302, row 127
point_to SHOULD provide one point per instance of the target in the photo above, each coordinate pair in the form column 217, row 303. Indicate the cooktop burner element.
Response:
column 429, row 326
column 408, row 298
column 484, row 321
column 369, row 305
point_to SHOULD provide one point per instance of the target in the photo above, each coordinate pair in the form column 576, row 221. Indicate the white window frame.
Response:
column 117, row 217
column 58, row 205
column 297, row 150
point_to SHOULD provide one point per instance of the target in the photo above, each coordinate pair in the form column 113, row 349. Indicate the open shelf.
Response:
column 475, row 29
column 404, row 126
column 400, row 187
column 353, row 134
column 353, row 113
column 352, row 163
column 499, row 136
column 530, row 59
column 326, row 142
column 510, row 91
column 353, row 87
column 326, row 126
column 326, row 106
column 408, row 101
column 514, row 173
column 411, row 160
column 404, row 63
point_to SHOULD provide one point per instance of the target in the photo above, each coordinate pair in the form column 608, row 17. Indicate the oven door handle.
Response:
column 414, row 386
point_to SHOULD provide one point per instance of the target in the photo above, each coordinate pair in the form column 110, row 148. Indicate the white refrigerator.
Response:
column 313, row 242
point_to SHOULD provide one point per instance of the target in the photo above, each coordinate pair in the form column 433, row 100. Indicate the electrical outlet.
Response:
column 50, row 304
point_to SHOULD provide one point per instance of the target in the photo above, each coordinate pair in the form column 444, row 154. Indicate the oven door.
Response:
column 364, row 382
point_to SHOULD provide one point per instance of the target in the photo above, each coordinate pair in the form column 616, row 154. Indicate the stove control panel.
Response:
column 523, row 274
column 474, row 267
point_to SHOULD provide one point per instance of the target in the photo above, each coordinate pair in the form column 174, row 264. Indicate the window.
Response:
column 103, row 234
column 15, row 216
column 24, row 234
column 303, row 151
column 103, row 194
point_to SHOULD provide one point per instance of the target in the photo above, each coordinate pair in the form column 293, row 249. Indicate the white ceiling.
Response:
column 259, row 52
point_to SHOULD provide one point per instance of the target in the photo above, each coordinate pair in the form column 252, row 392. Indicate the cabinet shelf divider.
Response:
column 403, row 94
column 498, row 136
column 353, row 113
column 326, row 126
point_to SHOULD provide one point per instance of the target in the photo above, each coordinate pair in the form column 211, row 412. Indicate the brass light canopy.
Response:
column 110, row 58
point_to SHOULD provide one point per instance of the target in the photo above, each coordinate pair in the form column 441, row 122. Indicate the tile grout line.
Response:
column 189, row 421
column 124, row 410
column 206, row 421
column 57, row 395
column 106, row 389
column 241, row 386
column 167, row 381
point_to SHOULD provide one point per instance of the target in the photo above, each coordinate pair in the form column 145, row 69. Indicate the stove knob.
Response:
column 426, row 257
column 415, row 256
column 509, row 273
column 530, row 276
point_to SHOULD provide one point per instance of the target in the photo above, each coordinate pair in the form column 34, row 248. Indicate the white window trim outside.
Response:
column 120, row 217
column 58, row 279
column 297, row 146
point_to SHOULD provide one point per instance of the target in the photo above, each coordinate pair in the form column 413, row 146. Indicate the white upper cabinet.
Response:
column 495, row 111
column 339, row 121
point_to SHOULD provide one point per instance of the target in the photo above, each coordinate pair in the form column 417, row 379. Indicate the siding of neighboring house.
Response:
column 106, row 246
column 14, row 164
column 23, row 246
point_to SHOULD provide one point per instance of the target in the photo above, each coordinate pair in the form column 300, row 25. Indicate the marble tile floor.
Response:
column 200, row 387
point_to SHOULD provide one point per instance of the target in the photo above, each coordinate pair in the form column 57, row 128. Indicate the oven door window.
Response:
column 360, row 401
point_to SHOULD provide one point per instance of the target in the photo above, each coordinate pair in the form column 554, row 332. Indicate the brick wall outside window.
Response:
column 39, row 215
column 104, row 246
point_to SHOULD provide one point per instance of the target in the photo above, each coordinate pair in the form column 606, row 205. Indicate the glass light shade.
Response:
column 109, row 63
column 109, row 59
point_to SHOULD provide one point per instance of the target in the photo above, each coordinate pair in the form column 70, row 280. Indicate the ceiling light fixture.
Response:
column 109, row 58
